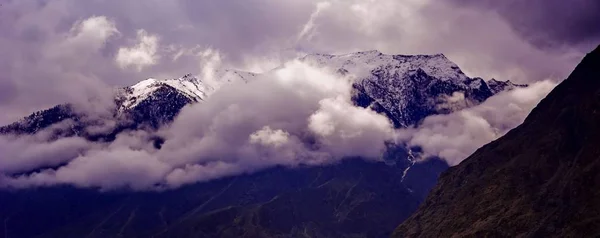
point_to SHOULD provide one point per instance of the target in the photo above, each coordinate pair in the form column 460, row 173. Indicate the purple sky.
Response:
column 44, row 63
column 547, row 23
column 70, row 51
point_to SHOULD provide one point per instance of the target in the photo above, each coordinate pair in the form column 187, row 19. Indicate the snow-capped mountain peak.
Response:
column 362, row 63
column 408, row 88
column 188, row 85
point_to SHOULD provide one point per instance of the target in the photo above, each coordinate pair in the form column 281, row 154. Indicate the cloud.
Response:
column 347, row 130
column 25, row 154
column 143, row 54
column 309, row 27
column 482, row 43
column 269, row 137
column 547, row 23
column 237, row 130
column 127, row 162
column 455, row 136
column 48, row 67
column 86, row 37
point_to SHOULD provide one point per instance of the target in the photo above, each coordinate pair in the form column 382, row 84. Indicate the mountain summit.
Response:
column 189, row 86
column 542, row 179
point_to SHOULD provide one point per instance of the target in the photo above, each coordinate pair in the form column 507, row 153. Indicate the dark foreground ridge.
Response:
column 541, row 179
column 354, row 198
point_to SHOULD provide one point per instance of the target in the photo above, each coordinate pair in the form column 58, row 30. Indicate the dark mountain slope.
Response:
column 349, row 199
column 541, row 179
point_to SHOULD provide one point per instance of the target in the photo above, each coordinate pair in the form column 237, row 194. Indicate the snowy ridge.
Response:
column 408, row 88
column 191, row 87
column 499, row 86
column 361, row 64
column 229, row 76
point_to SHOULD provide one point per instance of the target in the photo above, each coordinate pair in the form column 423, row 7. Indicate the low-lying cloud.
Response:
column 239, row 129
column 453, row 137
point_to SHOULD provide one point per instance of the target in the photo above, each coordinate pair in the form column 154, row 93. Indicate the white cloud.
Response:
column 455, row 136
column 210, row 61
column 94, row 32
column 309, row 27
column 269, row 137
column 85, row 38
column 236, row 130
column 347, row 130
column 24, row 154
column 143, row 54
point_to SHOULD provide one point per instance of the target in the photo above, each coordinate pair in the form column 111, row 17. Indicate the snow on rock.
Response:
column 361, row 64
column 499, row 86
column 228, row 76
column 408, row 88
column 191, row 87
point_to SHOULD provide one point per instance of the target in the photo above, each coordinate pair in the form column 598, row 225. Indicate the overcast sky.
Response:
column 59, row 50
column 56, row 51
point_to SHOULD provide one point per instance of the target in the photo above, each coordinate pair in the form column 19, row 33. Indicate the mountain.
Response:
column 542, row 179
column 408, row 88
column 350, row 199
column 150, row 103
column 353, row 198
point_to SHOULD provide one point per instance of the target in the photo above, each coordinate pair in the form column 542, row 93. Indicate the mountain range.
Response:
column 351, row 198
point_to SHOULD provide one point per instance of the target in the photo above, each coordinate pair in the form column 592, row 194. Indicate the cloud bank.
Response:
column 239, row 129
column 453, row 137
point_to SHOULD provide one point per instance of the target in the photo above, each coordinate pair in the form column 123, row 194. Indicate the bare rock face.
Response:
column 542, row 179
